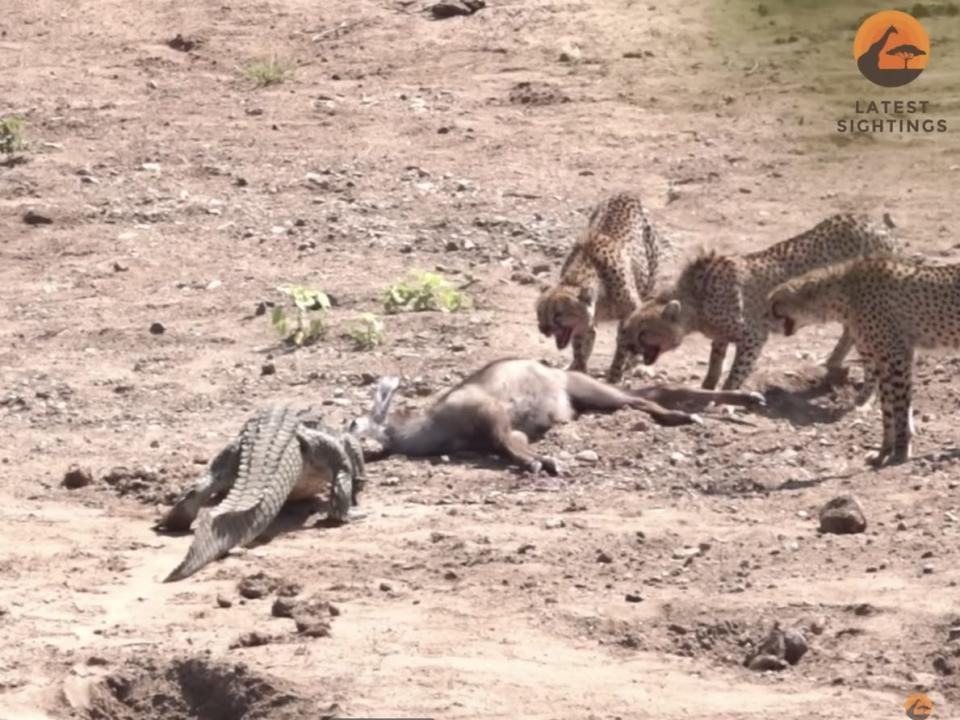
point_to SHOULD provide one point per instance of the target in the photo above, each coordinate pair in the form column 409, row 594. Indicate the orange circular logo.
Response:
column 918, row 706
column 891, row 48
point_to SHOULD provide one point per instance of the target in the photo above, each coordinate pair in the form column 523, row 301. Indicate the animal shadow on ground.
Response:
column 293, row 516
column 800, row 405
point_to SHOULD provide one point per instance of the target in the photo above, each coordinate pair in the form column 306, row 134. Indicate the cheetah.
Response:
column 889, row 306
column 610, row 269
column 725, row 297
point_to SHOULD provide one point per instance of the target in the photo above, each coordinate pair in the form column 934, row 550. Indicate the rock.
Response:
column 766, row 663
column 257, row 586
column 943, row 665
column 76, row 477
column 157, row 328
column 603, row 557
column 268, row 368
column 633, row 598
column 312, row 627
column 183, row 44
column 686, row 553
column 251, row 639
column 32, row 217
column 774, row 644
column 953, row 633
column 842, row 515
column 795, row 645
column 283, row 607
column 928, row 569
column 224, row 602
column 554, row 523
column 588, row 456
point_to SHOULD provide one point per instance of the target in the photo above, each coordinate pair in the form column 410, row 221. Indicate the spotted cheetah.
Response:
column 610, row 269
column 890, row 306
column 725, row 297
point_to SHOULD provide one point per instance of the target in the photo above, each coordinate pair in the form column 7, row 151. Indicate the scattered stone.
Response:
column 943, row 665
column 223, row 601
column 767, row 663
column 312, row 627
column 678, row 629
column 444, row 11
column 795, row 645
column 603, row 557
column 251, row 639
column 588, row 456
column 179, row 42
column 536, row 93
column 257, row 586
column 385, row 587
column 32, row 217
column 843, row 515
column 774, row 644
column 953, row 633
column 157, row 328
column 268, row 368
column 77, row 477
column 554, row 523
column 120, row 267
column 283, row 607
column 633, row 597
column 686, row 553
column 928, row 569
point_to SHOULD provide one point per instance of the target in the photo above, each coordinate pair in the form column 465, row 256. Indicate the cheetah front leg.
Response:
column 582, row 348
column 744, row 360
column 622, row 358
column 718, row 352
column 834, row 363
column 895, row 385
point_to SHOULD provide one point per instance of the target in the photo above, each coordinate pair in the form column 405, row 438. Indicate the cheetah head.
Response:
column 564, row 309
column 653, row 330
column 781, row 310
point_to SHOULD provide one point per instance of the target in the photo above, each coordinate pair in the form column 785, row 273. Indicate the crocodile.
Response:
column 283, row 452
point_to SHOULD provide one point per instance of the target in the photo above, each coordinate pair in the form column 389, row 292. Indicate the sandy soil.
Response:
column 631, row 587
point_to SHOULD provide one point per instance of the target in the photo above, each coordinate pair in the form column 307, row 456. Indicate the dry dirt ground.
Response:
column 630, row 587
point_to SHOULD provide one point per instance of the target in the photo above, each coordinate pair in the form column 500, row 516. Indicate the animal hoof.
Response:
column 881, row 459
column 758, row 399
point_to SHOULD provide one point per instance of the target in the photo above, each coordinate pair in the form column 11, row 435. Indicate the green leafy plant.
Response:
column 308, row 322
column 368, row 333
column 424, row 291
column 268, row 71
column 11, row 138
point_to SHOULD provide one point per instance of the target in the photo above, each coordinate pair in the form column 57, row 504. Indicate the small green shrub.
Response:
column 268, row 71
column 368, row 333
column 424, row 291
column 11, row 135
column 308, row 323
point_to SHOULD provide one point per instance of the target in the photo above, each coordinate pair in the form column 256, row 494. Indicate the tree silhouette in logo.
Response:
column 907, row 52
column 875, row 60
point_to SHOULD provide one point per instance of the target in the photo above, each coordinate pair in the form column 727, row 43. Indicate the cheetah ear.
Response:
column 588, row 295
column 671, row 311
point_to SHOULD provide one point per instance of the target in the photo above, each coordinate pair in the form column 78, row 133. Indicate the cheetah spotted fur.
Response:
column 890, row 307
column 610, row 269
column 724, row 297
